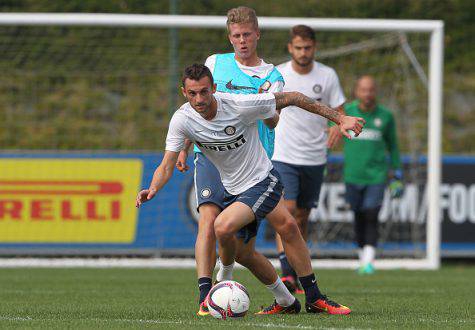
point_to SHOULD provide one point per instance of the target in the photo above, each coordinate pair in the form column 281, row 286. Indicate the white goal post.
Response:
column 435, row 77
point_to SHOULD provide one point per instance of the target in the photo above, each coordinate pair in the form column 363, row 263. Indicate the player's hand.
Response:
column 334, row 136
column 396, row 189
column 144, row 196
column 354, row 124
column 181, row 161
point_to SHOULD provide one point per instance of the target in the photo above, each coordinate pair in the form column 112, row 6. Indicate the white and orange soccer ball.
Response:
column 228, row 299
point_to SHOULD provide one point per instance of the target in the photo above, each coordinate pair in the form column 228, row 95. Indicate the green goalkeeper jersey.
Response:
column 366, row 159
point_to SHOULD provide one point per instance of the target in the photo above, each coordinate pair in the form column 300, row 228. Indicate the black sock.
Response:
column 287, row 270
column 204, row 284
column 309, row 284
column 360, row 229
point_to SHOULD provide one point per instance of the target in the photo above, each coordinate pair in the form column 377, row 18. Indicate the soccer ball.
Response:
column 228, row 299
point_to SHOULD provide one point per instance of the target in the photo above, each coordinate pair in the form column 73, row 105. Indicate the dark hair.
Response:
column 302, row 31
column 196, row 72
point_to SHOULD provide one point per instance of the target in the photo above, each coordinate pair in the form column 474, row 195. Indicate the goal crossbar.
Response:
column 328, row 24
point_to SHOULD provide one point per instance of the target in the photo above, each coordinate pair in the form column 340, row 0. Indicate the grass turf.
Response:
column 157, row 298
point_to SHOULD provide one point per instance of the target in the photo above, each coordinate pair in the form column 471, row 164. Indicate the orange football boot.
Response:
column 203, row 311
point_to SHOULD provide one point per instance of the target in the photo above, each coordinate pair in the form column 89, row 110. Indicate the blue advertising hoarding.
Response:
column 83, row 203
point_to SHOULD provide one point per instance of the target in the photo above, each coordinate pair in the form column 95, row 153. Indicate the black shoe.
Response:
column 275, row 308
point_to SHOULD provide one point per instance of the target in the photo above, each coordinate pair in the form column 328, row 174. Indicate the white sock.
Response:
column 282, row 295
column 225, row 273
column 368, row 254
column 361, row 256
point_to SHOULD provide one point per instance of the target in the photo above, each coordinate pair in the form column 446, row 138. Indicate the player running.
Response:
column 224, row 126
column 241, row 72
column 366, row 168
column 301, row 139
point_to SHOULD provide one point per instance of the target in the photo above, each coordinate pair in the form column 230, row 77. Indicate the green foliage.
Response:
column 76, row 93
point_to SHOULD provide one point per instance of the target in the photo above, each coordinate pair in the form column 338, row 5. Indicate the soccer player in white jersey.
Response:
column 301, row 139
column 241, row 72
column 224, row 126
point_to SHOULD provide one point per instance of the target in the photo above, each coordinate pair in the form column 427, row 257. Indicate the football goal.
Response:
column 110, row 82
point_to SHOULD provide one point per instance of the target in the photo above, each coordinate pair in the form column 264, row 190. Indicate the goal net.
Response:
column 87, row 82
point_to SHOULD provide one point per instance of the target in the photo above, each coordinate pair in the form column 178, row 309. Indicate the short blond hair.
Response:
column 242, row 15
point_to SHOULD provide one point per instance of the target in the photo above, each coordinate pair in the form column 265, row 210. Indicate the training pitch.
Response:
column 157, row 298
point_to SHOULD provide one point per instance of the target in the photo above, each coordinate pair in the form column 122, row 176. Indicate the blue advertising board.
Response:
column 74, row 209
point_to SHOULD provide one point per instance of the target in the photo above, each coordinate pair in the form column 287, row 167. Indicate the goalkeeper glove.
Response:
column 396, row 188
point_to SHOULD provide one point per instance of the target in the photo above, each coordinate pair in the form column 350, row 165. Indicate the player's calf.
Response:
column 286, row 227
column 233, row 218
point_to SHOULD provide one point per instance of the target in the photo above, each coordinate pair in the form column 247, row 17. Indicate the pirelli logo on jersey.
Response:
column 223, row 145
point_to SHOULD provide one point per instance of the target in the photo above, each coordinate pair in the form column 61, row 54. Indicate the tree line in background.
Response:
column 107, row 88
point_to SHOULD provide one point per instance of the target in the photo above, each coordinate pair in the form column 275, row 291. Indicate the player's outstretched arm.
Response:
column 344, row 122
column 334, row 134
column 161, row 176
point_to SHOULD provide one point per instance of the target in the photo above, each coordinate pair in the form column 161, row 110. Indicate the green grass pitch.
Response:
column 156, row 298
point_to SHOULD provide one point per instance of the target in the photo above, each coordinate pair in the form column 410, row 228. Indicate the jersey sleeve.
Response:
column 276, row 87
column 211, row 62
column 176, row 133
column 250, row 108
column 336, row 96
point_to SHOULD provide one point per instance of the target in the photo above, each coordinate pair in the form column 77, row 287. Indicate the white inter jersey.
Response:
column 262, row 70
column 300, row 136
column 230, row 140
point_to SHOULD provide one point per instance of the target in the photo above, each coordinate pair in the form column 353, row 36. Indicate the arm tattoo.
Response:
column 285, row 99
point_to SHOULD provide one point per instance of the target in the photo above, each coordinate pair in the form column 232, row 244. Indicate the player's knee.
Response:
column 208, row 212
column 207, row 233
column 223, row 228
column 206, row 226
column 206, row 220
column 289, row 228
